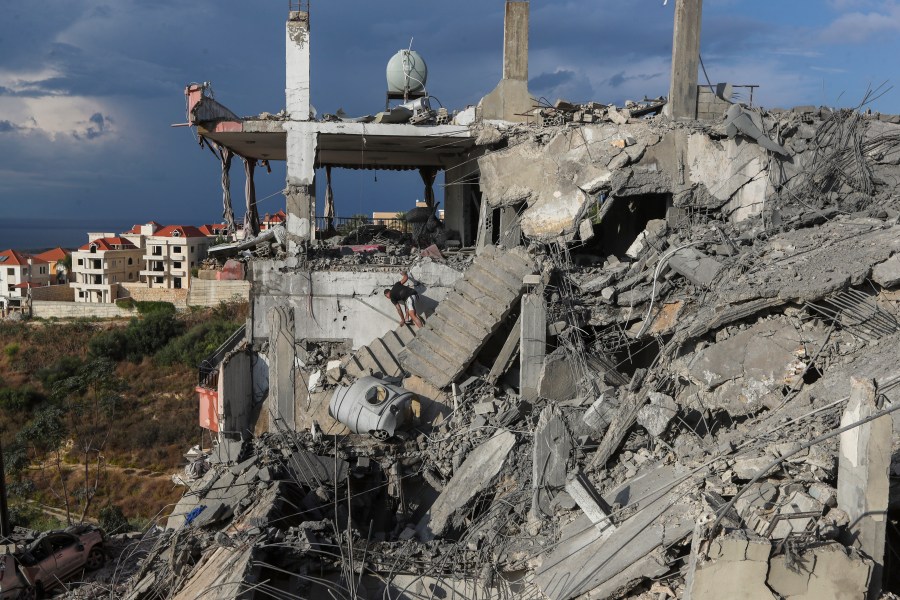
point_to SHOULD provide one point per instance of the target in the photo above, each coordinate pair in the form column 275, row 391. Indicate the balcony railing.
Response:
column 345, row 225
column 208, row 376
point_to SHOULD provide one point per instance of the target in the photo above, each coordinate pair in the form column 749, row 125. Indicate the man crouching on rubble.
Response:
column 404, row 300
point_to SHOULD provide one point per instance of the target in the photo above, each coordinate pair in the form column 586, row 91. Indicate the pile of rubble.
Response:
column 682, row 381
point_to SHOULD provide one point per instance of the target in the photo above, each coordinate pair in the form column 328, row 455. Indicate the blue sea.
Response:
column 32, row 235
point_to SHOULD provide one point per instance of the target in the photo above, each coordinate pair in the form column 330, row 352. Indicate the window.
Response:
column 80, row 262
column 178, row 283
column 192, row 249
column 81, row 294
column 130, row 261
column 159, row 280
column 176, row 249
column 176, row 264
column 10, row 272
column 130, row 276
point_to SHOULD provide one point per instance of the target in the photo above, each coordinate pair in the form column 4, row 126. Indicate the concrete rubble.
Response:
column 631, row 412
column 663, row 366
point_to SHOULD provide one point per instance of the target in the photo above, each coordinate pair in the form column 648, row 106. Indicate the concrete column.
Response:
column 863, row 472
column 510, row 100
column 510, row 229
column 297, row 78
column 282, row 368
column 515, row 41
column 533, row 345
column 300, row 196
column 685, row 60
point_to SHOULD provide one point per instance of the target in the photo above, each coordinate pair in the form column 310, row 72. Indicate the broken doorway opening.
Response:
column 626, row 218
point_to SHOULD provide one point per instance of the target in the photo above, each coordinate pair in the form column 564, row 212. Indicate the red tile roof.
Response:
column 185, row 231
column 13, row 257
column 27, row 284
column 113, row 243
column 278, row 217
column 213, row 229
column 52, row 256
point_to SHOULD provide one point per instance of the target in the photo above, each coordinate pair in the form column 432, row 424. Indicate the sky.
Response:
column 89, row 89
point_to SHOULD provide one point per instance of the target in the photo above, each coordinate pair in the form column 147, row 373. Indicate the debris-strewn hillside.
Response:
column 110, row 401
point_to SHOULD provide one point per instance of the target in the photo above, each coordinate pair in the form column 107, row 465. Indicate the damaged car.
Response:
column 50, row 560
column 373, row 406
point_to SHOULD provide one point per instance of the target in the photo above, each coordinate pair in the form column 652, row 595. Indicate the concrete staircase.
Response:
column 468, row 316
column 380, row 356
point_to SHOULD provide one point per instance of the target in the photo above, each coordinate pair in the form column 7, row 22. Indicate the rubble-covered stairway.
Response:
column 380, row 355
column 468, row 316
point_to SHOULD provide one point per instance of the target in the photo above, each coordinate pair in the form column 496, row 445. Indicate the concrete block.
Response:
column 823, row 571
column 558, row 380
column 696, row 267
column 657, row 413
column 737, row 563
column 887, row 274
column 485, row 408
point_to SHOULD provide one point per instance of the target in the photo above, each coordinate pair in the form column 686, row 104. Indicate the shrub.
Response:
column 148, row 308
column 112, row 344
column 198, row 343
column 125, row 303
column 12, row 350
column 62, row 369
column 146, row 336
column 113, row 520
column 20, row 399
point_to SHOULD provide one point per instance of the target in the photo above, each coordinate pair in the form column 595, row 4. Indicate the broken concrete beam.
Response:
column 863, row 476
column 532, row 345
column 695, row 266
column 579, row 487
column 600, row 413
column 660, row 520
column 552, row 445
column 478, row 470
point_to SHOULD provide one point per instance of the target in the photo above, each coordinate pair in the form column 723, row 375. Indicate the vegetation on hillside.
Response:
column 95, row 416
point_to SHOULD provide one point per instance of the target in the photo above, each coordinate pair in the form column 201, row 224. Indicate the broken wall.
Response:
column 340, row 305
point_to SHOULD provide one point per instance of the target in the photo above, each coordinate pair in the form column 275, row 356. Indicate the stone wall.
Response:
column 55, row 293
column 44, row 309
column 140, row 293
column 211, row 293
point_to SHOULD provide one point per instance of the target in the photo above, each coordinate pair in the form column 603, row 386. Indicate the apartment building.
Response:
column 102, row 265
column 19, row 272
column 169, row 255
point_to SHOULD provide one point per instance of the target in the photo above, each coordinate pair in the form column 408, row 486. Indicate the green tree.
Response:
column 90, row 400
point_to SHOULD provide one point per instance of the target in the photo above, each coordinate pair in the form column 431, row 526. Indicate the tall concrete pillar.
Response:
column 515, row 41
column 300, row 195
column 685, row 60
column 282, row 368
column 863, row 476
column 510, row 100
column 533, row 344
column 297, row 78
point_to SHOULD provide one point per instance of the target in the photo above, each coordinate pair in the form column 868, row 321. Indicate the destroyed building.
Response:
column 658, row 360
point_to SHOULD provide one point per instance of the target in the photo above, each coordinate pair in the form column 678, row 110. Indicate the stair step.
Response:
column 466, row 322
column 469, row 294
column 390, row 361
column 457, row 333
column 405, row 333
column 473, row 313
column 493, row 271
column 393, row 343
column 424, row 368
column 440, row 345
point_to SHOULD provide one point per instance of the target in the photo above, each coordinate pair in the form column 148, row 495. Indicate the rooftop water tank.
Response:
column 407, row 73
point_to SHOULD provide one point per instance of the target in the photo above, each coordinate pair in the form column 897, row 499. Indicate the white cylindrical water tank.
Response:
column 406, row 72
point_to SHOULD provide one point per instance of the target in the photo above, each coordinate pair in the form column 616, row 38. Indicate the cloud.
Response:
column 862, row 27
column 7, row 126
column 621, row 78
column 96, row 126
column 548, row 81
